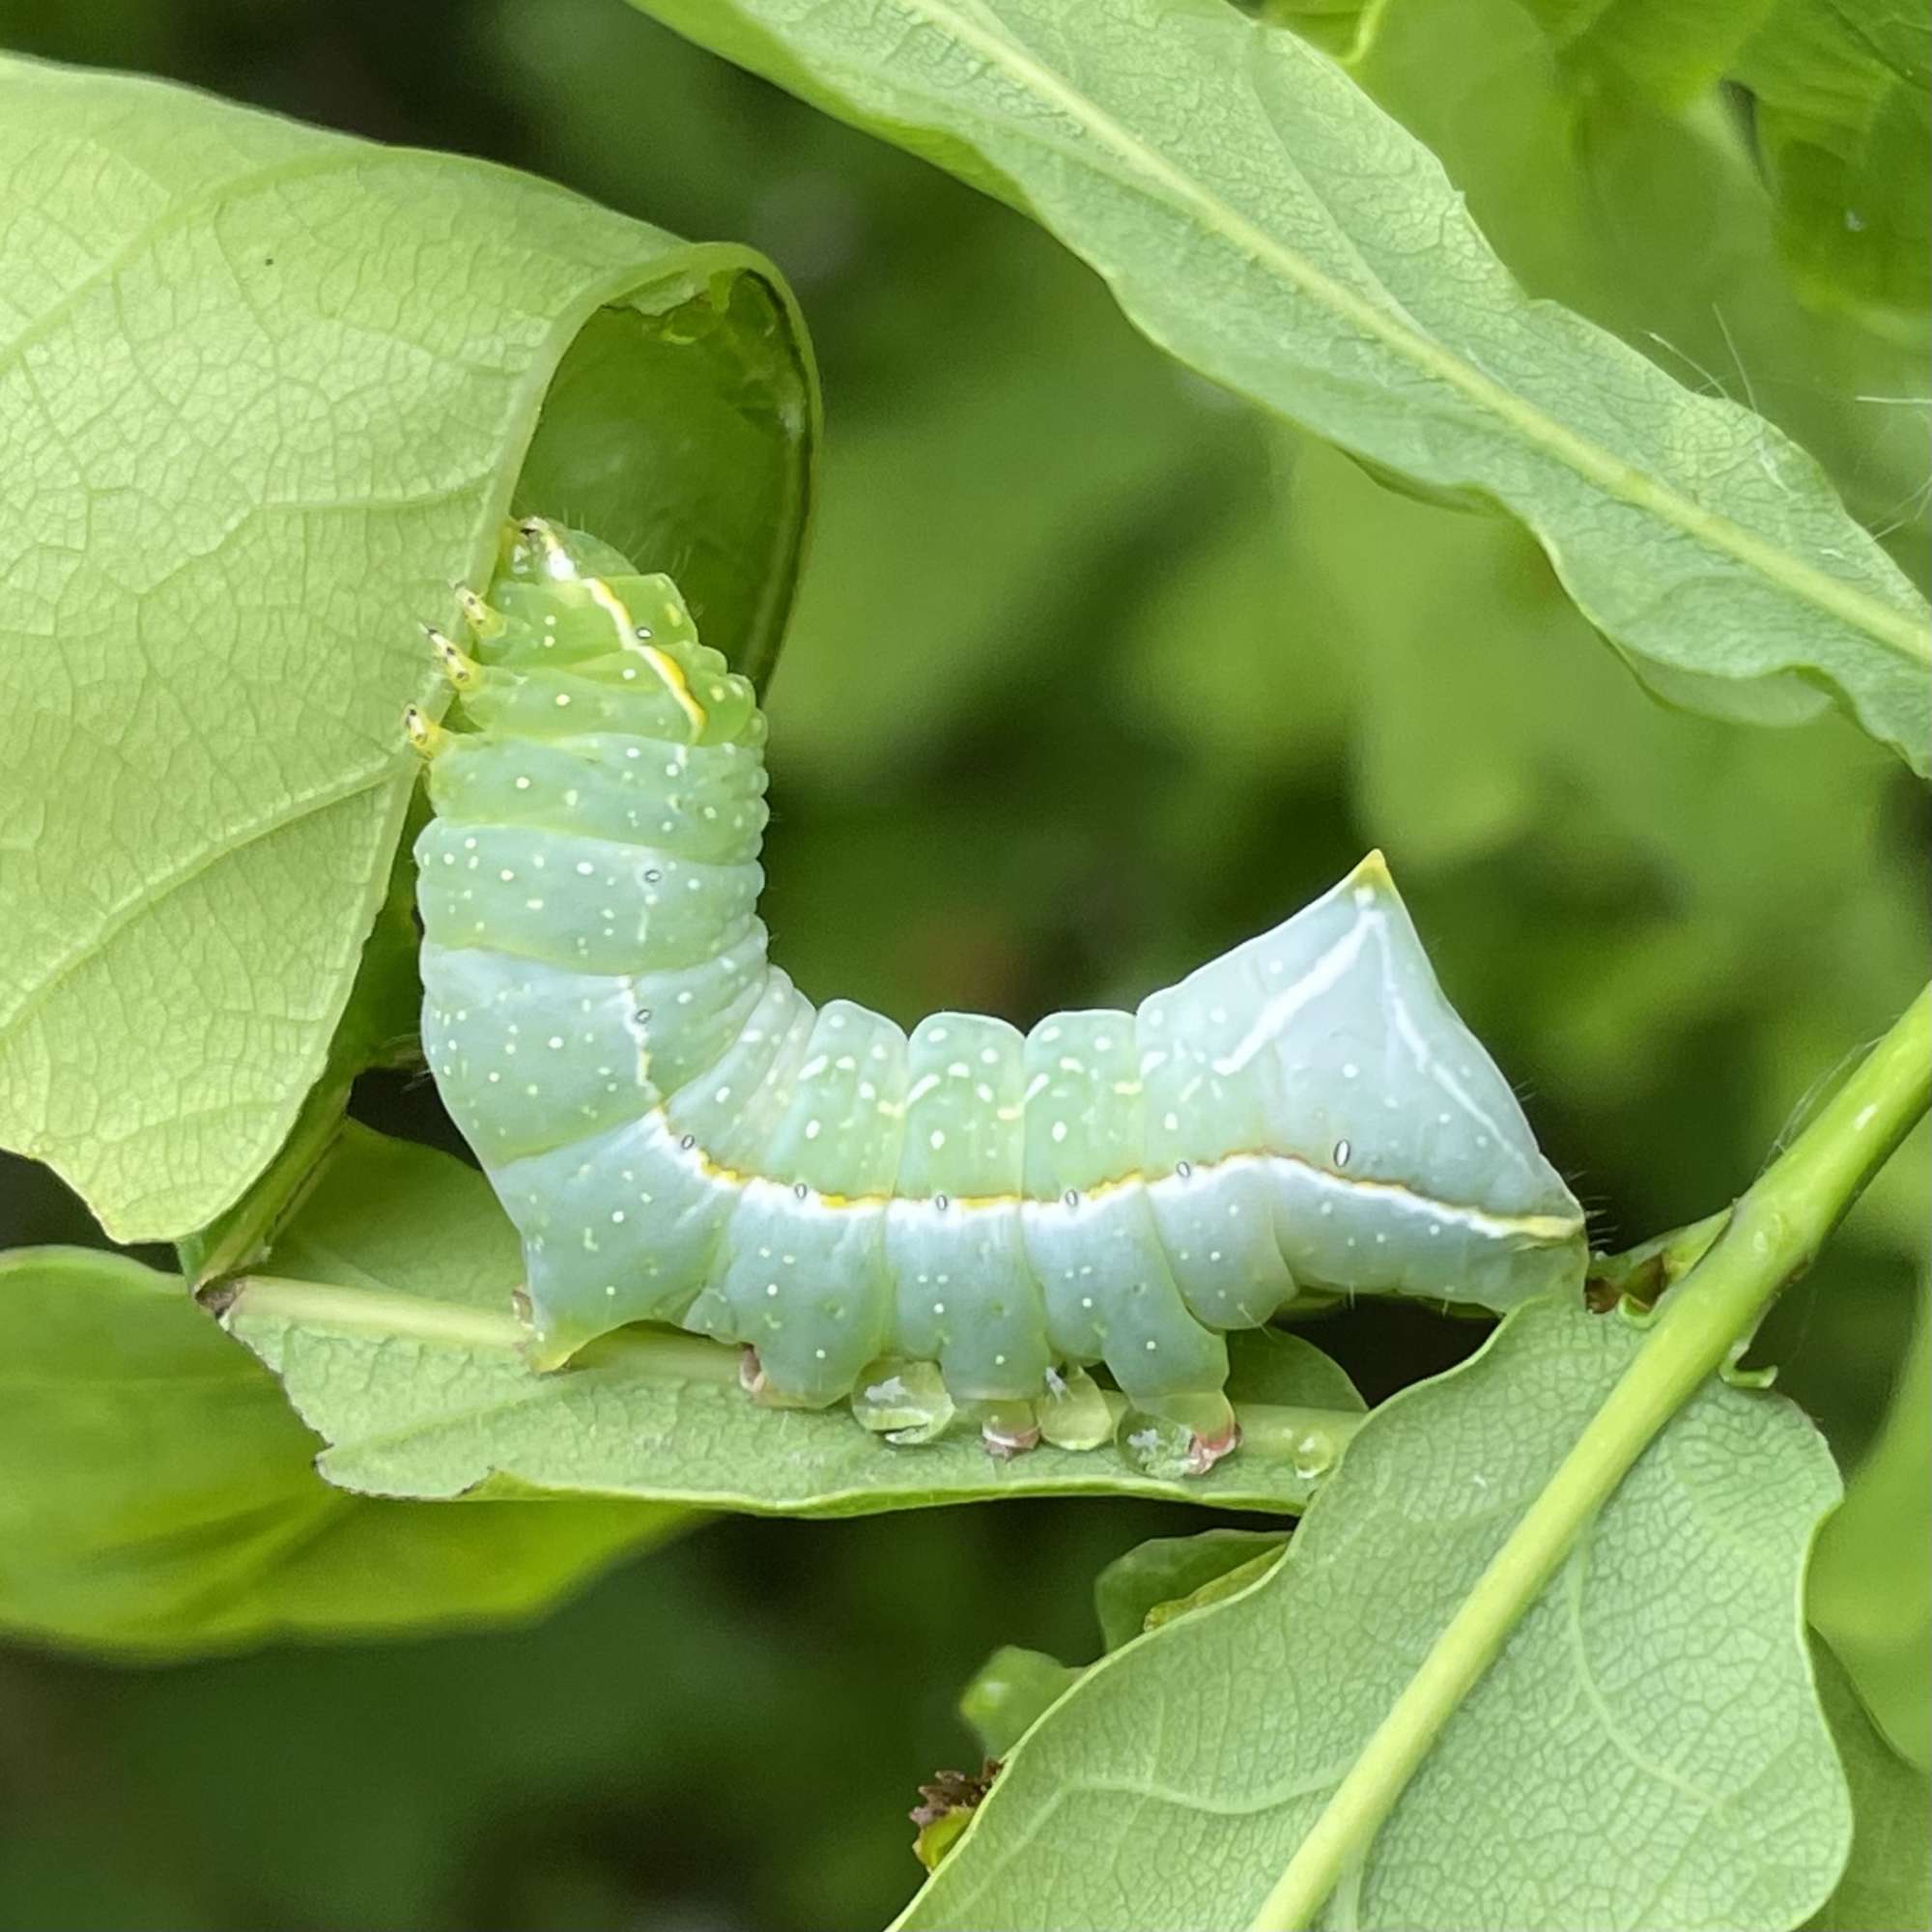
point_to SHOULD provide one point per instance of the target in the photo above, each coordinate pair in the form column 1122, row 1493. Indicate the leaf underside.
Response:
column 265, row 392
column 1647, row 1751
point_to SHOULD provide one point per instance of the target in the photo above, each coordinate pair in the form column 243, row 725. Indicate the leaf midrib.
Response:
column 1894, row 629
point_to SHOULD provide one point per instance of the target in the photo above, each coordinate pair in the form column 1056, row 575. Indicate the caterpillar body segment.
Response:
column 681, row 1136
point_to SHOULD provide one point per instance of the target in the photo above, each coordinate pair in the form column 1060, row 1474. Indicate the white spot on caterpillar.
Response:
column 936, row 1139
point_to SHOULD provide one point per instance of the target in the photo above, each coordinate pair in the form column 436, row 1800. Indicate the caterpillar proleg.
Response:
column 965, row 1215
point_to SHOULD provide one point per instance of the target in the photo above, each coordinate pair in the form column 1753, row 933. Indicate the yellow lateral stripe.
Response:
column 1539, row 1227
column 667, row 668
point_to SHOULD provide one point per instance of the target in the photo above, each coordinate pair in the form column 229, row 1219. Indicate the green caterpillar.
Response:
column 965, row 1215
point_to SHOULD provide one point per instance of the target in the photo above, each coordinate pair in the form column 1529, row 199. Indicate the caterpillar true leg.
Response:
column 964, row 1217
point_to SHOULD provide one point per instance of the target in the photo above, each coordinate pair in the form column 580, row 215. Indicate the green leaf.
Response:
column 1577, row 759
column 1344, row 28
column 1840, row 116
column 1261, row 219
column 1650, row 1731
column 379, row 1027
column 265, row 391
column 1844, row 127
column 1655, row 224
column 1671, row 49
column 1268, row 1365
column 157, row 1496
column 1151, row 1584
column 1870, row 1593
column 1008, row 1691
column 1165, row 1569
column 1887, row 1884
column 398, row 1347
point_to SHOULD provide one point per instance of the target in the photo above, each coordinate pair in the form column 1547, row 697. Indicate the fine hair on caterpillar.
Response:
column 960, row 1222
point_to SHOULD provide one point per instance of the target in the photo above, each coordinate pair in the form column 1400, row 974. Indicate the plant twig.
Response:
column 1769, row 1241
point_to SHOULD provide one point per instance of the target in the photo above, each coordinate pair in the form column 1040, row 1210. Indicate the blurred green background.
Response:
column 1094, row 673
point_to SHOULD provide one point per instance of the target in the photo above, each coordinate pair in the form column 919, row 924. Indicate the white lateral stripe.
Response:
column 1282, row 1007
column 1496, row 1227
column 1426, row 1063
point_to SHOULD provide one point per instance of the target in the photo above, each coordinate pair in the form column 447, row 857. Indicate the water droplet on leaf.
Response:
column 1074, row 1414
column 904, row 1401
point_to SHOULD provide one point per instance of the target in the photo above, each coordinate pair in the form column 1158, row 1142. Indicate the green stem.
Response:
column 1771, row 1238
column 240, row 1235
